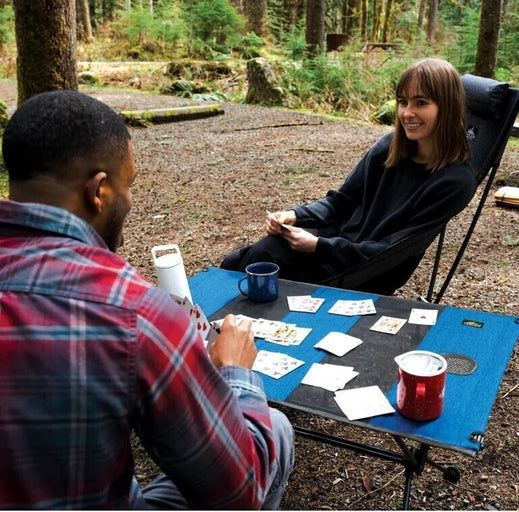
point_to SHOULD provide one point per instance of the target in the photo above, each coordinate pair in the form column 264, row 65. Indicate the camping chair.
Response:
column 491, row 109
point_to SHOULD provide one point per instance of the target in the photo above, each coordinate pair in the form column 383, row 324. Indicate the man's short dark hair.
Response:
column 50, row 129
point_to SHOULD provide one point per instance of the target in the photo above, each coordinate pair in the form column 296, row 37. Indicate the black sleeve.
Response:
column 451, row 190
column 338, row 205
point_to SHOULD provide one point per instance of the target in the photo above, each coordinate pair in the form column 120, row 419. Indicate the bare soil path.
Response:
column 205, row 185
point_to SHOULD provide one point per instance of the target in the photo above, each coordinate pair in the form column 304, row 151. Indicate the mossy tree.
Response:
column 46, row 44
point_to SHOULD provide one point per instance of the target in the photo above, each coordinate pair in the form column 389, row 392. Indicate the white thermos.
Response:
column 170, row 270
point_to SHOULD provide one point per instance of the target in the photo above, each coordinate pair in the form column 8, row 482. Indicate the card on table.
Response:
column 295, row 336
column 364, row 402
column 423, row 316
column 388, row 324
column 331, row 377
column 304, row 303
column 338, row 343
column 275, row 364
column 353, row 307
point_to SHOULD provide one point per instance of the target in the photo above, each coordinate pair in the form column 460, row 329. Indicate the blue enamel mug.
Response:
column 262, row 282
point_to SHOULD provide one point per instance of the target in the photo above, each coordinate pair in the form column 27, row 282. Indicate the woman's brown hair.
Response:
column 438, row 80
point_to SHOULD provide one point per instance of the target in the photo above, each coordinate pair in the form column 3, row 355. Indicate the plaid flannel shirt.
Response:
column 89, row 352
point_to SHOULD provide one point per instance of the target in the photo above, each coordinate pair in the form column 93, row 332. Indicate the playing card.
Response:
column 263, row 328
column 353, row 307
column 338, row 343
column 388, row 324
column 329, row 376
column 304, row 303
column 293, row 337
column 275, row 364
column 423, row 316
column 364, row 402
column 201, row 323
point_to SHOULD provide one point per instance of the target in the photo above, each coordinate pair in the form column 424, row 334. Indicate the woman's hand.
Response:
column 277, row 221
column 299, row 239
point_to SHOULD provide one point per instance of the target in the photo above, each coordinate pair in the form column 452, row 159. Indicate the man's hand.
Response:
column 299, row 239
column 235, row 344
column 276, row 221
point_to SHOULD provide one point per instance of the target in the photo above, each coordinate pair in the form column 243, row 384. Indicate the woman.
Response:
column 412, row 180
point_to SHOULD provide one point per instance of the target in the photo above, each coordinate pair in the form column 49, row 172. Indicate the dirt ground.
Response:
column 206, row 184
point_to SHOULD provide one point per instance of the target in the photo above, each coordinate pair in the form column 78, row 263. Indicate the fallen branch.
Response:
column 377, row 489
column 510, row 391
column 281, row 125
column 315, row 150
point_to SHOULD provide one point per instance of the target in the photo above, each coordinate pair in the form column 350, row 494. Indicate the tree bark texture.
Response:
column 421, row 13
column 489, row 25
column 293, row 9
column 256, row 16
column 364, row 19
column 431, row 20
column 387, row 19
column 238, row 5
column 83, row 15
column 46, row 44
column 315, row 10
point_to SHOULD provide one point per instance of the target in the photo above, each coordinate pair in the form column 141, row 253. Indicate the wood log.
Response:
column 170, row 115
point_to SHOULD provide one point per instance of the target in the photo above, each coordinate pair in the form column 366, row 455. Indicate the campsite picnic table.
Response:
column 476, row 344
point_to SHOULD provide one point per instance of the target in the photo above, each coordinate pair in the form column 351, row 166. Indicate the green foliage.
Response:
column 210, row 23
column 294, row 43
column 344, row 85
column 248, row 46
column 147, row 33
column 6, row 26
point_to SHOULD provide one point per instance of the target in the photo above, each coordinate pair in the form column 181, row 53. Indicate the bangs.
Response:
column 415, row 83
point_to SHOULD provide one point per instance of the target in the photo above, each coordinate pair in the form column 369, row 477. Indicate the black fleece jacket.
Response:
column 377, row 206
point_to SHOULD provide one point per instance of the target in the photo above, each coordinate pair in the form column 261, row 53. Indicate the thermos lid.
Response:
column 422, row 363
column 168, row 260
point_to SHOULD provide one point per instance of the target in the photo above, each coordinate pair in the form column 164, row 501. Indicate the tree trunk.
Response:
column 238, row 5
column 315, row 10
column 489, row 25
column 256, row 16
column 387, row 18
column 363, row 20
column 46, row 43
column 431, row 20
column 421, row 13
column 293, row 9
column 150, row 6
column 376, row 20
column 85, row 26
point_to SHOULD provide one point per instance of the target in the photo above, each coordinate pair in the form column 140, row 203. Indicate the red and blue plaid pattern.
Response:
column 90, row 351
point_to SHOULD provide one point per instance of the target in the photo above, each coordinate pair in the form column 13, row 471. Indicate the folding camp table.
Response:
column 476, row 344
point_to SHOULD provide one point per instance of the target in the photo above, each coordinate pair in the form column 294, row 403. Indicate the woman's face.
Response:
column 418, row 116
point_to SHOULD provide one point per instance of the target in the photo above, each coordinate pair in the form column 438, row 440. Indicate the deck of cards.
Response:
column 329, row 376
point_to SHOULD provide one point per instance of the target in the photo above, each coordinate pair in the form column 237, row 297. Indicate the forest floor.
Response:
column 205, row 184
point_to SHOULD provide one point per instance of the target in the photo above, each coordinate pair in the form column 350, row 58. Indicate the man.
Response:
column 90, row 351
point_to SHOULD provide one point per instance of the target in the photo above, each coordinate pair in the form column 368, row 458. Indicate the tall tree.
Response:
column 238, row 5
column 256, row 16
column 294, row 11
column 315, row 11
column 46, row 45
column 421, row 13
column 431, row 20
column 84, row 24
column 488, row 38
column 364, row 19
column 387, row 18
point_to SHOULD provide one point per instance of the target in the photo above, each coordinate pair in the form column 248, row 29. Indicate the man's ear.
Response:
column 93, row 191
